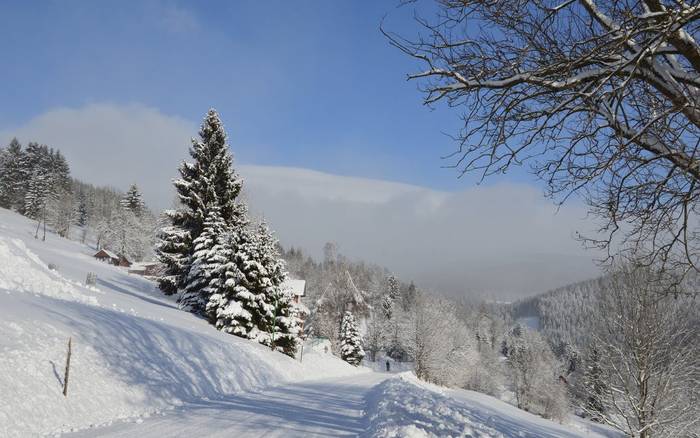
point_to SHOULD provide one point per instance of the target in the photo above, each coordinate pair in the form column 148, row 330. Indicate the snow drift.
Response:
column 22, row 271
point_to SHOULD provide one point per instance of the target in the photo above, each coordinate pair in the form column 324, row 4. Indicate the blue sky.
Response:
column 309, row 84
column 303, row 87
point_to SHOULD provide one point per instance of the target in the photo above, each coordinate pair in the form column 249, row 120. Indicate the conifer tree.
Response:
column 209, row 254
column 208, row 181
column 592, row 383
column 351, row 350
column 12, row 176
column 389, row 299
column 279, row 325
column 59, row 170
column 392, row 287
column 133, row 201
column 228, row 307
column 249, row 300
column 82, row 214
column 246, row 308
column 37, row 195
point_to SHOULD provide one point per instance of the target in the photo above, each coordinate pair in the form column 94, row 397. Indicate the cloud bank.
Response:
column 502, row 241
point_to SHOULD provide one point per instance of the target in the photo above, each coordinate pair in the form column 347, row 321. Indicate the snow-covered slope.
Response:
column 403, row 406
column 136, row 357
column 134, row 352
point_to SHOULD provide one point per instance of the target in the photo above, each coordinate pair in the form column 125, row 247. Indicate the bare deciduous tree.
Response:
column 648, row 360
column 534, row 375
column 438, row 341
column 600, row 97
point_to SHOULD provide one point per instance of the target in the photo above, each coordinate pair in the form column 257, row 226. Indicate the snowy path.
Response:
column 312, row 408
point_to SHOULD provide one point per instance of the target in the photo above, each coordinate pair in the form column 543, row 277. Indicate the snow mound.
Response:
column 400, row 408
column 404, row 406
column 21, row 270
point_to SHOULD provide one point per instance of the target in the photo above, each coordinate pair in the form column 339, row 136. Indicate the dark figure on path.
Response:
column 387, row 366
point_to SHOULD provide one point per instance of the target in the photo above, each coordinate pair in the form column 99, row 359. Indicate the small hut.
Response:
column 108, row 256
column 146, row 269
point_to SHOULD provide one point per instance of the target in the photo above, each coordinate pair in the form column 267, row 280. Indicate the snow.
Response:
column 296, row 287
column 22, row 271
column 141, row 367
column 134, row 353
column 403, row 406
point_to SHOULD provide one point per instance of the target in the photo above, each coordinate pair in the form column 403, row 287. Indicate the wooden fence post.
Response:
column 65, row 378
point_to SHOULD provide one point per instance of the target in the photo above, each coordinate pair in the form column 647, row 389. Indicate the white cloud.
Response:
column 504, row 239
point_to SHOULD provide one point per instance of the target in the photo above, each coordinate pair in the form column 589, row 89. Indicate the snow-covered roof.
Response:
column 297, row 287
column 143, row 265
column 108, row 253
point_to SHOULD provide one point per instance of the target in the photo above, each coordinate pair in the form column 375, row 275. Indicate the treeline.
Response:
column 35, row 181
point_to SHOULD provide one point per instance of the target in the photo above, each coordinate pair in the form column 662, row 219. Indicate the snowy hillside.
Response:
column 134, row 352
column 141, row 367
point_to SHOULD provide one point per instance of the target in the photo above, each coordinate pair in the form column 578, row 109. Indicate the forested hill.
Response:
column 564, row 313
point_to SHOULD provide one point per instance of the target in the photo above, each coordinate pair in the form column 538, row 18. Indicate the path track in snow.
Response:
column 312, row 408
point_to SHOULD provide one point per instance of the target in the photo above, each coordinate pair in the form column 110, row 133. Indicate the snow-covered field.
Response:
column 141, row 367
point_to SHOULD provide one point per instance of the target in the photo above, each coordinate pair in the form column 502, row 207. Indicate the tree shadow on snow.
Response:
column 164, row 361
column 331, row 410
column 113, row 285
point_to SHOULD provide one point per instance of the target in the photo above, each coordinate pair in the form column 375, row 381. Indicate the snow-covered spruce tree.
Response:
column 12, row 176
column 280, row 320
column 59, row 170
column 208, row 181
column 209, row 254
column 351, row 350
column 37, row 195
column 133, row 201
column 82, row 214
column 591, row 385
column 224, row 309
column 250, row 302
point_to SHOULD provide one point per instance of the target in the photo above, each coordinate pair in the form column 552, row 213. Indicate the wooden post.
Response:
column 65, row 378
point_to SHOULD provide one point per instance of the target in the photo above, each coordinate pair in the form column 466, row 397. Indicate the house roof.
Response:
column 297, row 287
column 108, row 253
